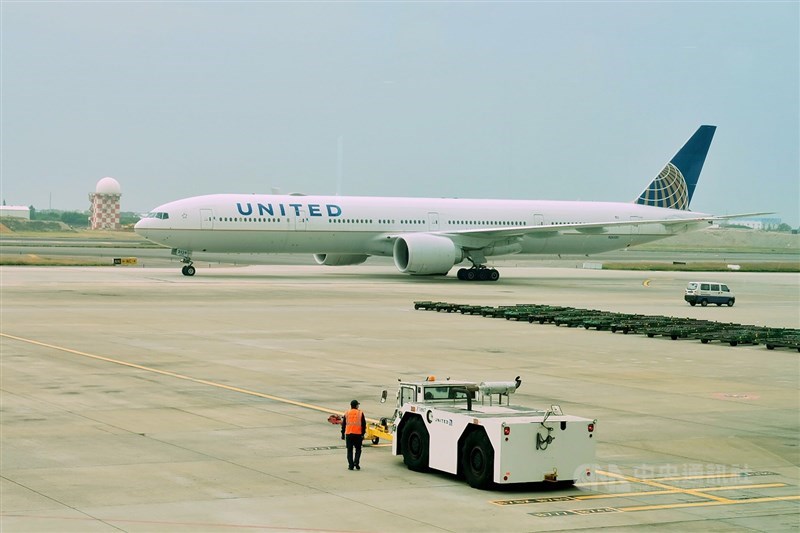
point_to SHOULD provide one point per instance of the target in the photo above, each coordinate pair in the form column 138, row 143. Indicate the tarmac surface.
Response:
column 136, row 399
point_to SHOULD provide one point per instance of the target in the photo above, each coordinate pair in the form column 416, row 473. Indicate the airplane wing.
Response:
column 587, row 227
column 480, row 238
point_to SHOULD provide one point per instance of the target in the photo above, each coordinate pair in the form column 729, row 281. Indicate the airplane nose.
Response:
column 140, row 227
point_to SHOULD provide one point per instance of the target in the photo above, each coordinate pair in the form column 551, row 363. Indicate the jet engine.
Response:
column 421, row 254
column 339, row 259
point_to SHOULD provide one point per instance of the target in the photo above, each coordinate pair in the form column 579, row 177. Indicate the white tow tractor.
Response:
column 464, row 428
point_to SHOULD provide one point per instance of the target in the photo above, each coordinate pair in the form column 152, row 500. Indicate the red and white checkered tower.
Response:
column 105, row 205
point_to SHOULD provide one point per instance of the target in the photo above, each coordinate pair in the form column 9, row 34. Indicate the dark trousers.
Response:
column 353, row 440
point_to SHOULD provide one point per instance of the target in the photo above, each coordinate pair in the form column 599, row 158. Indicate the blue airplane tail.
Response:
column 674, row 186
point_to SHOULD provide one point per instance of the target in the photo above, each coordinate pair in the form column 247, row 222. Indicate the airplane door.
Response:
column 206, row 219
column 634, row 231
column 300, row 220
column 538, row 220
column 433, row 221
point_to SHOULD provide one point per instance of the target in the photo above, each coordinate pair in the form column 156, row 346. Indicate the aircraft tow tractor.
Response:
column 465, row 428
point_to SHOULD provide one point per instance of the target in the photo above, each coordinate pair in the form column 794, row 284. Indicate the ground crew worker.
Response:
column 354, row 425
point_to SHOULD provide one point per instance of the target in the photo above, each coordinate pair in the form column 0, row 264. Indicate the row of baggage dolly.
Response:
column 653, row 326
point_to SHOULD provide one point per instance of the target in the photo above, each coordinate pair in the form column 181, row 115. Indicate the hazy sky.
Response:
column 561, row 101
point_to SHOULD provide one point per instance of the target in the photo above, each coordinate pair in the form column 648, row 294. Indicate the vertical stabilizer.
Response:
column 674, row 186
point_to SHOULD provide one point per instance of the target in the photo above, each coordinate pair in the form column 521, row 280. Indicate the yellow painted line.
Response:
column 706, row 504
column 651, row 483
column 746, row 487
column 672, row 478
column 699, row 476
column 628, row 494
column 678, row 490
column 599, row 483
column 179, row 376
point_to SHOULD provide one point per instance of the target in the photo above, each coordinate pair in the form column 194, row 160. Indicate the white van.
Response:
column 708, row 292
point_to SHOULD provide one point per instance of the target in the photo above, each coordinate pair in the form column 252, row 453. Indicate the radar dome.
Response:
column 108, row 186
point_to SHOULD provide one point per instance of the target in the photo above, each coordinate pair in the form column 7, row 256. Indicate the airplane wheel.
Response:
column 470, row 275
column 483, row 274
column 494, row 275
column 462, row 273
column 188, row 270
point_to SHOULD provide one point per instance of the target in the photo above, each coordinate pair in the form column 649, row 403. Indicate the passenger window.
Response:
column 704, row 286
column 714, row 287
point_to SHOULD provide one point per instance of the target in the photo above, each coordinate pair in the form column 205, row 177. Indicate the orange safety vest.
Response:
column 353, row 422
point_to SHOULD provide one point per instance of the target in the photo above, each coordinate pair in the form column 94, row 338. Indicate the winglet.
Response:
column 674, row 186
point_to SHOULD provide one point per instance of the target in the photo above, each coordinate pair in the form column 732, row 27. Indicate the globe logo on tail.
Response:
column 667, row 190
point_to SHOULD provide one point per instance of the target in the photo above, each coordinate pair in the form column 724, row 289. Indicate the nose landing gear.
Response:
column 188, row 270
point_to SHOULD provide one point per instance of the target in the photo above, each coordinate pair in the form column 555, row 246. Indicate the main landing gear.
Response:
column 478, row 273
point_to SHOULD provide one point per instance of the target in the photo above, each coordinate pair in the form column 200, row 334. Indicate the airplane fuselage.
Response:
column 237, row 223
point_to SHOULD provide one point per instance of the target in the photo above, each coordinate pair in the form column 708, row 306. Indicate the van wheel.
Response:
column 692, row 303
column 477, row 460
column 704, row 302
column 415, row 445
column 719, row 304
column 730, row 303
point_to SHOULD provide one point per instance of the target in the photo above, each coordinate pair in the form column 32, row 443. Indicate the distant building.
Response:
column 757, row 223
column 16, row 211
column 105, row 205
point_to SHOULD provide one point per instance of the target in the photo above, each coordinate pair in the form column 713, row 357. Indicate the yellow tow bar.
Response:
column 376, row 430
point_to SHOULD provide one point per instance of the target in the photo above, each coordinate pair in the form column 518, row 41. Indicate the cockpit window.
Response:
column 161, row 215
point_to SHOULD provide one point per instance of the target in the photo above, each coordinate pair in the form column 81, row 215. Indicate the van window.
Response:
column 704, row 286
column 692, row 286
column 725, row 288
column 714, row 287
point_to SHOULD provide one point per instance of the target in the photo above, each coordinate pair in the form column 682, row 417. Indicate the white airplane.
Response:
column 431, row 235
